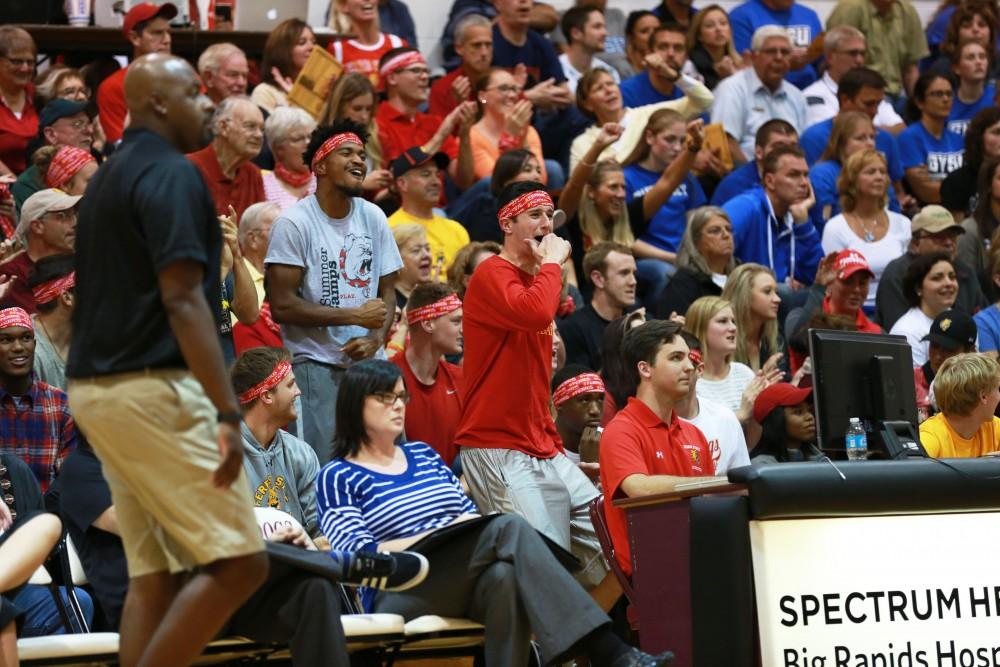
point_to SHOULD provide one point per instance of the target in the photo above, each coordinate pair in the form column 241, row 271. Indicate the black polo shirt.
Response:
column 146, row 208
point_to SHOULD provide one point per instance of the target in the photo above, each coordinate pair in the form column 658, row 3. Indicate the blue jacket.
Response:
column 754, row 225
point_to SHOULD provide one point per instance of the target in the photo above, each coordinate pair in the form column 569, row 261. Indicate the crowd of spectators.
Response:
column 581, row 259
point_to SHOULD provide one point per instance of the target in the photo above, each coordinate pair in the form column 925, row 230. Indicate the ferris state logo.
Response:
column 549, row 330
column 272, row 492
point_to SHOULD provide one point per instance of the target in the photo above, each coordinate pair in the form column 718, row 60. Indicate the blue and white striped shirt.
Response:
column 359, row 508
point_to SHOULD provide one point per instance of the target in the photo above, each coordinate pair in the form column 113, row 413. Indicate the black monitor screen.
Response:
column 860, row 375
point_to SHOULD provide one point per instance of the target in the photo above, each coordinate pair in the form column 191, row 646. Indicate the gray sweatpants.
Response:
column 503, row 576
column 552, row 494
column 319, row 384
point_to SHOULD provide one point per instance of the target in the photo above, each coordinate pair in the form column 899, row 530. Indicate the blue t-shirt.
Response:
column 537, row 54
column 815, row 139
column 638, row 91
column 942, row 156
column 962, row 113
column 802, row 23
column 739, row 180
column 667, row 226
column 988, row 323
column 823, row 176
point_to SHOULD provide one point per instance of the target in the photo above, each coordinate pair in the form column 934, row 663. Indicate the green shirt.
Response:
column 894, row 41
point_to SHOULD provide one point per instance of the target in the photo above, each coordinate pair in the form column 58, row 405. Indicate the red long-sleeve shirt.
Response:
column 508, row 326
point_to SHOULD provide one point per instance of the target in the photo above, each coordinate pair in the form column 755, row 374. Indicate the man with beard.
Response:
column 331, row 272
column 610, row 267
column 226, row 164
column 147, row 383
column 434, row 322
column 418, row 180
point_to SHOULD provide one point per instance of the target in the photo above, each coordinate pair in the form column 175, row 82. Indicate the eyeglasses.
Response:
column 73, row 92
column 507, row 88
column 774, row 52
column 419, row 71
column 18, row 63
column 77, row 124
column 63, row 216
column 388, row 398
column 855, row 53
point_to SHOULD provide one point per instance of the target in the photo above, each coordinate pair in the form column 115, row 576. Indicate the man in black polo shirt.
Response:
column 147, row 384
column 610, row 267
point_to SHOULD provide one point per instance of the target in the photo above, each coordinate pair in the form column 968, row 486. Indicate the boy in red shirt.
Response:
column 510, row 455
column 434, row 322
column 646, row 449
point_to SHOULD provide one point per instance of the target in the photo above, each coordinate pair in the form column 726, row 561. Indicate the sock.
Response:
column 603, row 646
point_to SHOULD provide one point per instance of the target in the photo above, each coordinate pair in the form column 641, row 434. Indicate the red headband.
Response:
column 695, row 356
column 399, row 62
column 584, row 383
column 332, row 144
column 54, row 288
column 432, row 311
column 15, row 317
column 267, row 384
column 65, row 163
column 525, row 202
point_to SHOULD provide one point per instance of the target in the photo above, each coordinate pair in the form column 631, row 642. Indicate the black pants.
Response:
column 297, row 608
column 503, row 576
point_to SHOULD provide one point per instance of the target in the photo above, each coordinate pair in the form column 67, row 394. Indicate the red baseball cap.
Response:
column 146, row 11
column 849, row 262
column 778, row 395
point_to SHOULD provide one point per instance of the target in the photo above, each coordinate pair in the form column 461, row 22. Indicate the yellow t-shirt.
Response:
column 445, row 236
column 942, row 442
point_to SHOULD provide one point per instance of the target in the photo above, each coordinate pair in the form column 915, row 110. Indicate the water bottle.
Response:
column 857, row 441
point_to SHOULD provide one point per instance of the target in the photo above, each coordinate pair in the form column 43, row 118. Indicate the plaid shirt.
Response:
column 38, row 428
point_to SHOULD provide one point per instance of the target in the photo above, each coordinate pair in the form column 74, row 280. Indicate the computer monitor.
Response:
column 867, row 376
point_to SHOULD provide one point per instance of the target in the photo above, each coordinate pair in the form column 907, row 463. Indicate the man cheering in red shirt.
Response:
column 509, row 453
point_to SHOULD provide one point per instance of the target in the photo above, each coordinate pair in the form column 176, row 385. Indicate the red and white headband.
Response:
column 267, row 384
column 67, row 161
column 525, row 202
column 332, row 144
column 53, row 289
column 432, row 311
column 401, row 61
column 15, row 317
column 584, row 383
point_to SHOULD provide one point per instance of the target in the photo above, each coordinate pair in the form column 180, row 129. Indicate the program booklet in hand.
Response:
column 313, row 84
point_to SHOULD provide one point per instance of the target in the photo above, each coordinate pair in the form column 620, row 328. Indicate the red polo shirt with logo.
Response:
column 16, row 132
column 637, row 441
column 244, row 189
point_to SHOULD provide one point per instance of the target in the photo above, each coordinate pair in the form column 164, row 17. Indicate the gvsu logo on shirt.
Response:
column 940, row 165
column 800, row 35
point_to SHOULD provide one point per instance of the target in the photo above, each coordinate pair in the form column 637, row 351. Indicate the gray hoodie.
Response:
column 283, row 475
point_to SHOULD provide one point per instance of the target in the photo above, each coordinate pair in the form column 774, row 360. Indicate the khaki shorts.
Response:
column 552, row 494
column 156, row 435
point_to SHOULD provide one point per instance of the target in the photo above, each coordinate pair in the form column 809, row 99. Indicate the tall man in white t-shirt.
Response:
column 331, row 273
column 722, row 429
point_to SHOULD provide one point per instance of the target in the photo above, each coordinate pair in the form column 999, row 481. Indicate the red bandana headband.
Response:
column 525, row 202
column 332, row 144
column 53, row 289
column 695, row 357
column 584, row 383
column 401, row 61
column 432, row 311
column 67, row 161
column 15, row 317
column 267, row 384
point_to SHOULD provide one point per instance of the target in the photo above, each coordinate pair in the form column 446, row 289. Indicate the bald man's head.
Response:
column 163, row 94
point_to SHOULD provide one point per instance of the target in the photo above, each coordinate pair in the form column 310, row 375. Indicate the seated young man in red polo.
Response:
column 434, row 322
column 647, row 449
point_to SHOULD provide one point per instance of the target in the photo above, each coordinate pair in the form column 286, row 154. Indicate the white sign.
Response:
column 890, row 591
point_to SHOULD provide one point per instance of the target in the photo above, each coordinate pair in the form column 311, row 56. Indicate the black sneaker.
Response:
column 392, row 571
column 636, row 658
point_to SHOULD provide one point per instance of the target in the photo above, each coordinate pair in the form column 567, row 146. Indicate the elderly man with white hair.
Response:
column 238, row 128
column 223, row 69
column 254, row 236
column 288, row 130
column 757, row 94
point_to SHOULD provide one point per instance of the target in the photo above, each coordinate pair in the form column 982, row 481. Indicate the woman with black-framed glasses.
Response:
column 18, row 116
column 377, row 495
